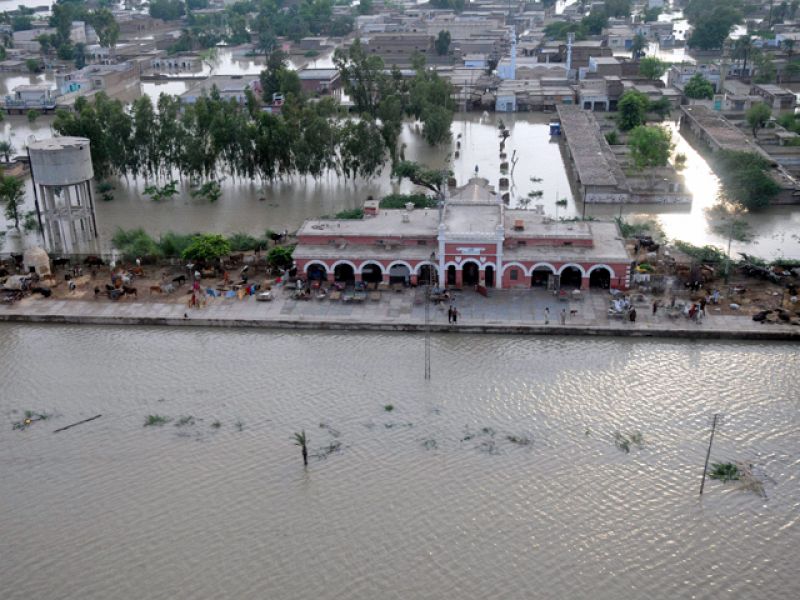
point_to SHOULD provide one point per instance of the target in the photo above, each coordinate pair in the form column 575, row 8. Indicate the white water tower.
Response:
column 61, row 171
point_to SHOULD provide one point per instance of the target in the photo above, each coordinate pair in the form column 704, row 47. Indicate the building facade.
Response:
column 471, row 240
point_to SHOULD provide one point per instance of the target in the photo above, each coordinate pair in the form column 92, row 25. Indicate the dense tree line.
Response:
column 712, row 21
column 215, row 138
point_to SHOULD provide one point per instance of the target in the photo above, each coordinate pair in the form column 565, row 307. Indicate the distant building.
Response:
column 40, row 96
column 776, row 97
column 230, row 87
column 320, row 81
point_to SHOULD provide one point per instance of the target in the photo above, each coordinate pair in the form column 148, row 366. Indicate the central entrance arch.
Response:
column 371, row 273
column 571, row 277
column 344, row 273
column 399, row 274
column 470, row 274
column 451, row 275
column 317, row 272
column 540, row 275
column 428, row 274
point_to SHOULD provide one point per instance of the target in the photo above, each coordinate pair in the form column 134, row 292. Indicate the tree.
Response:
column 745, row 179
column 594, row 23
column 33, row 65
column 742, row 49
column 652, row 68
column 651, row 14
column 650, row 146
column 280, row 257
column 638, row 46
column 632, row 109
column 431, row 179
column 364, row 7
column 301, row 440
column 166, row 10
column 21, row 23
column 33, row 114
column 135, row 243
column 757, row 116
column 106, row 26
column 7, row 149
column 12, row 194
column 443, row 43
column 698, row 87
column 712, row 21
column 207, row 247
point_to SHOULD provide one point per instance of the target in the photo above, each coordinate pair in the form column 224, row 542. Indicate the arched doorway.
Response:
column 428, row 274
column 451, row 275
column 344, row 273
column 540, row 275
column 600, row 278
column 571, row 278
column 470, row 273
column 399, row 274
column 317, row 272
column 489, row 276
column 371, row 273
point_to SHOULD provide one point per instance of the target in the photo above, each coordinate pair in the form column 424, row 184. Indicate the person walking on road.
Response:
column 563, row 316
column 632, row 315
column 655, row 307
column 450, row 314
column 455, row 316
column 546, row 315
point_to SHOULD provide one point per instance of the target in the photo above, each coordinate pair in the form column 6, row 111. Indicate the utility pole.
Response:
column 717, row 420
column 428, row 318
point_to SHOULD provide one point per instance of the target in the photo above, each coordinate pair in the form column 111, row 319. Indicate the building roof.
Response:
column 318, row 74
column 387, row 223
column 591, row 155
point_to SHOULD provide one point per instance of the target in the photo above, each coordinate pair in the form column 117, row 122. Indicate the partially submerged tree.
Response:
column 745, row 179
column 652, row 67
column 301, row 440
column 207, row 247
column 650, row 147
column 431, row 179
column 12, row 193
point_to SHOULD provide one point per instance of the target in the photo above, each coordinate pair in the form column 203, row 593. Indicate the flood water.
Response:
column 430, row 500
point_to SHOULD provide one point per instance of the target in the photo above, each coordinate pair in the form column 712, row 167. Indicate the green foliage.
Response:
column 724, row 472
column 207, row 247
column 757, row 116
column 456, row 5
column 21, row 23
column 350, row 214
column 155, row 420
column 428, row 178
column 280, row 257
column 167, row 10
column 164, row 192
column 703, row 254
column 105, row 189
column 388, row 407
column 630, row 230
column 652, row 67
column 713, row 21
column 612, row 137
column 698, row 88
column 7, row 149
column 33, row 114
column 400, row 201
column 632, row 109
column 12, row 195
column 30, row 222
column 650, row 146
column 209, row 190
column 443, row 43
column 173, row 244
column 745, row 179
column 651, row 14
column 135, row 243
column 242, row 242
column 34, row 65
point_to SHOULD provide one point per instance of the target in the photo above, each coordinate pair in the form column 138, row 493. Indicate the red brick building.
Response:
column 472, row 240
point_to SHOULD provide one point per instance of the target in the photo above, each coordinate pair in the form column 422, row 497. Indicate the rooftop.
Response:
column 590, row 152
column 387, row 223
column 318, row 74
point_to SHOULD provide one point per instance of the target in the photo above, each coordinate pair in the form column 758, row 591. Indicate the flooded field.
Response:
column 498, row 477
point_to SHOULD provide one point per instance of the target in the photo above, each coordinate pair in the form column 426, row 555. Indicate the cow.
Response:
column 179, row 280
column 93, row 261
column 130, row 291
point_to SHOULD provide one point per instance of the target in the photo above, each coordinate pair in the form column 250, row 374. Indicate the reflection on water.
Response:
column 434, row 488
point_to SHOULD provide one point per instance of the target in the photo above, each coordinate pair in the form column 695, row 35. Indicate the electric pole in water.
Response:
column 428, row 317
column 717, row 420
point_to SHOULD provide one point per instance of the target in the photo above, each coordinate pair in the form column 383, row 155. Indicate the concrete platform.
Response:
column 503, row 312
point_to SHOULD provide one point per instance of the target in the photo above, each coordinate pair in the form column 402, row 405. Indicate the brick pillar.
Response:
column 585, row 283
column 459, row 280
column 331, row 278
column 386, row 278
column 414, row 280
column 358, row 277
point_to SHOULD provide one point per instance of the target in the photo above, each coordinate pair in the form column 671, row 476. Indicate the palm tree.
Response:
column 742, row 48
column 6, row 149
column 301, row 440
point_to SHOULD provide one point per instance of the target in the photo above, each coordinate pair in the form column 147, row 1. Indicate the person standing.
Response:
column 655, row 307
column 450, row 314
column 455, row 316
column 703, row 303
column 632, row 315
column 546, row 315
column 563, row 316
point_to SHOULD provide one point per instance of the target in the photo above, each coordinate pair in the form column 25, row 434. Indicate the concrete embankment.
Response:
column 767, row 332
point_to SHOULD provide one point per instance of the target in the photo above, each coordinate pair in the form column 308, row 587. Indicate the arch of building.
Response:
column 566, row 266
column 371, row 263
column 541, row 266
column 312, row 263
column 343, row 263
column 597, row 278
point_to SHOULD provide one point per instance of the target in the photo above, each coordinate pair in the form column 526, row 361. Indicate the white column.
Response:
column 498, row 278
column 441, row 238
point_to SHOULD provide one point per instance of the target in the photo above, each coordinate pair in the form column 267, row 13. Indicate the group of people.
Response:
column 562, row 317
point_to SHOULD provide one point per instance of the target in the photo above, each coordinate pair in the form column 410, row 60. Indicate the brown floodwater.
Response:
column 498, row 478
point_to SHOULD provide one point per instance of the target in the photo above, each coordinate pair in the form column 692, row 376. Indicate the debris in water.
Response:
column 430, row 444
column 724, row 472
column 155, row 420
column 78, row 423
column 324, row 452
column 331, row 430
column 393, row 425
column 30, row 418
column 388, row 407
column 624, row 442
column 239, row 426
column 519, row 440
column 216, row 425
column 189, row 420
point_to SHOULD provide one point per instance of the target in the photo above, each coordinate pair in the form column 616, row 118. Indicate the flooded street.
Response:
column 443, row 487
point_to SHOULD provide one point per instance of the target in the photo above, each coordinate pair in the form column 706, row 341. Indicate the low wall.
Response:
column 768, row 333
